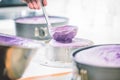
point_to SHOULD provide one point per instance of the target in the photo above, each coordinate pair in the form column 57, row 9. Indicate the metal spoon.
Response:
column 46, row 18
column 44, row 32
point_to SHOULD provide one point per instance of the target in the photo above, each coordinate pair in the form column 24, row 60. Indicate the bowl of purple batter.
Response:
column 98, row 62
column 27, row 27
column 15, row 55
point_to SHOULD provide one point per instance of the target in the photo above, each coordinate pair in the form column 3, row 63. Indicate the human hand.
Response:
column 35, row 4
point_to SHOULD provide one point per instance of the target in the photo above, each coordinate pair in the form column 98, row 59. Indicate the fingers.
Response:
column 44, row 2
column 29, row 3
column 35, row 4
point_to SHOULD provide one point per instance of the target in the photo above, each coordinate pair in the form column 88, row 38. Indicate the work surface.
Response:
column 36, row 69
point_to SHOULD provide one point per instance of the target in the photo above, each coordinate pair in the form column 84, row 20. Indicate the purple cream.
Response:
column 104, row 56
column 8, row 40
column 64, row 34
column 39, row 20
column 76, row 43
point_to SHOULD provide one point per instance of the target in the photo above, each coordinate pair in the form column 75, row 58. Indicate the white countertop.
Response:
column 35, row 69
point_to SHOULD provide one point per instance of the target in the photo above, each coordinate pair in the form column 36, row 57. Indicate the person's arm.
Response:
column 35, row 4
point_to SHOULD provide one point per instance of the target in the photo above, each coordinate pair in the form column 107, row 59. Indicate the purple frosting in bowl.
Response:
column 40, row 20
column 64, row 34
column 102, row 56
column 10, row 40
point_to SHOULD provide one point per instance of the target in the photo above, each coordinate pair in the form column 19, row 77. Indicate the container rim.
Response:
column 92, row 46
column 13, row 43
column 50, row 16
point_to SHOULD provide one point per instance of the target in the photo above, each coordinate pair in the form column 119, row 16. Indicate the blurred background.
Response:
column 97, row 20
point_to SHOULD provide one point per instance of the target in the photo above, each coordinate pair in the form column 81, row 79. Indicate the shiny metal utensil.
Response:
column 48, row 27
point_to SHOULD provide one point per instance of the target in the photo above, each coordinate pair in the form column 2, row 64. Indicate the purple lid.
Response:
column 9, row 40
column 103, row 56
column 77, row 42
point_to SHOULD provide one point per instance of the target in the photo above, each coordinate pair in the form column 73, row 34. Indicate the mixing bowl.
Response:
column 98, row 62
column 58, row 54
column 35, row 27
column 15, row 55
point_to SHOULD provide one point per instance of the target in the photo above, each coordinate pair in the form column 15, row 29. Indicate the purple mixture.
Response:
column 64, row 34
column 106, row 56
column 76, row 43
column 17, row 41
column 39, row 20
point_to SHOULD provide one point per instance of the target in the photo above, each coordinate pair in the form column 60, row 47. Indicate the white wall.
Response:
column 98, row 20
